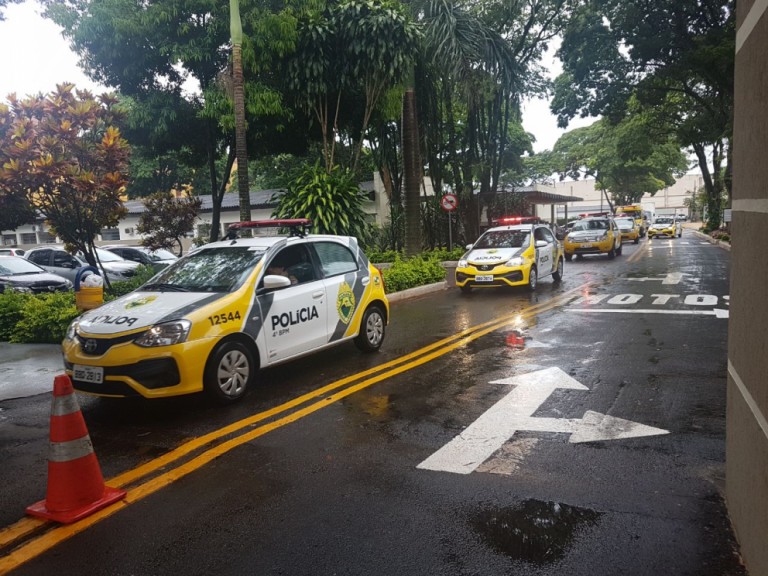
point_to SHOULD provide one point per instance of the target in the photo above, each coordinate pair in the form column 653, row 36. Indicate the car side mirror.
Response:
column 275, row 281
column 541, row 243
column 469, row 246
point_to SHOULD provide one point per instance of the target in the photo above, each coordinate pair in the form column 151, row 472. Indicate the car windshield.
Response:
column 664, row 221
column 222, row 269
column 160, row 254
column 13, row 265
column 625, row 223
column 590, row 225
column 504, row 239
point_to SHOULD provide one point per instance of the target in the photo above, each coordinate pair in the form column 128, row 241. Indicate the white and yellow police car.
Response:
column 211, row 319
column 516, row 254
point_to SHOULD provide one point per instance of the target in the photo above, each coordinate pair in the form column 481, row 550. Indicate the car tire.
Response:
column 229, row 372
column 637, row 240
column 569, row 257
column 372, row 330
column 557, row 275
column 620, row 249
column 612, row 253
column 466, row 289
column 533, row 279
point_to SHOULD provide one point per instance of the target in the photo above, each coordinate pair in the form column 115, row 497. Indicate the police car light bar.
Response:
column 506, row 220
column 297, row 226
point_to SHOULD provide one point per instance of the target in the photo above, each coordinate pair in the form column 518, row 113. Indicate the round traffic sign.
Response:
column 448, row 202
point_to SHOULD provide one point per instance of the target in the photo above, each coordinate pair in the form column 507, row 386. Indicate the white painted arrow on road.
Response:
column 514, row 413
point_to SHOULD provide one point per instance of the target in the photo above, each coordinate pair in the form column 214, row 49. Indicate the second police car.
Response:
column 210, row 320
column 516, row 254
column 665, row 226
column 593, row 235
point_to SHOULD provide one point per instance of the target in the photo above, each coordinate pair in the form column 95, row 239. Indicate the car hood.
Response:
column 584, row 234
column 142, row 309
column 493, row 256
column 33, row 278
column 120, row 266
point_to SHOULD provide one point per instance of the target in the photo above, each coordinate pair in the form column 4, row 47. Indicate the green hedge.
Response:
column 44, row 318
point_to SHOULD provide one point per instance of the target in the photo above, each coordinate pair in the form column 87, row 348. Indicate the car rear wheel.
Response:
column 612, row 253
column 371, row 333
column 557, row 275
column 533, row 279
column 637, row 240
column 229, row 372
column 569, row 257
column 620, row 249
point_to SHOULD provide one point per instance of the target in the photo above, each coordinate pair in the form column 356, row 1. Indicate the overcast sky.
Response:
column 35, row 58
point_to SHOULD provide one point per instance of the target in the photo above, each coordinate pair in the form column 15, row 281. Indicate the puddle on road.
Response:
column 537, row 532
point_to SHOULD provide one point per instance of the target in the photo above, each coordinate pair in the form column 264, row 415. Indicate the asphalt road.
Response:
column 578, row 430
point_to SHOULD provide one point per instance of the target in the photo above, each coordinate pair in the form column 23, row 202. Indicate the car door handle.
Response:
column 317, row 295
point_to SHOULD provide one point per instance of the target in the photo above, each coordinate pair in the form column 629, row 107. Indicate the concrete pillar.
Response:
column 747, row 408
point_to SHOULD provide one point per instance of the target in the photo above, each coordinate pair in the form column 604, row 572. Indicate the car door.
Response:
column 345, row 281
column 295, row 316
column 546, row 256
column 64, row 264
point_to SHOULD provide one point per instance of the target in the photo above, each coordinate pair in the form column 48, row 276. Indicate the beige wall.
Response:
column 747, row 429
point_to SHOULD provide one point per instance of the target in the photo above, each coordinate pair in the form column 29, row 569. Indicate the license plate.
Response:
column 585, row 245
column 486, row 278
column 92, row 374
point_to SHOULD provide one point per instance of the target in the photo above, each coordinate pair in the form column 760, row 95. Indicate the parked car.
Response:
column 21, row 275
column 211, row 320
column 157, row 259
column 59, row 261
column 5, row 251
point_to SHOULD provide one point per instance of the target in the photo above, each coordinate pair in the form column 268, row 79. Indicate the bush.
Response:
column 44, row 318
column 720, row 234
column 143, row 273
column 11, row 312
column 410, row 273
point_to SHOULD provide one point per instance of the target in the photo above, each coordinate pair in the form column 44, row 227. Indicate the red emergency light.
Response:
column 510, row 220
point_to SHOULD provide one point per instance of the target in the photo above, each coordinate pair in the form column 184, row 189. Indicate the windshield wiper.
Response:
column 160, row 287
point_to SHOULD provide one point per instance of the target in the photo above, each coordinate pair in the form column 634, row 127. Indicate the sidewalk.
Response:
column 28, row 369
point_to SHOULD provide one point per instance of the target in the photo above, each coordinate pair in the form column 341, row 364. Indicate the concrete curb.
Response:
column 416, row 292
column 708, row 238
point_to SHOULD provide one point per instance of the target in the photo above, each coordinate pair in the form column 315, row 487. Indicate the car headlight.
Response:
column 516, row 261
column 72, row 330
column 462, row 264
column 20, row 288
column 166, row 334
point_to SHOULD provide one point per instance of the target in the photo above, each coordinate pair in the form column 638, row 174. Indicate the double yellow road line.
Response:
column 33, row 536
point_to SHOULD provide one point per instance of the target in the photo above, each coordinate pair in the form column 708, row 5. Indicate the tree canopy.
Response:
column 673, row 57
column 62, row 156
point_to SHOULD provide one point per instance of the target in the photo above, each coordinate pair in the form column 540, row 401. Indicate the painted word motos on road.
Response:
column 653, row 299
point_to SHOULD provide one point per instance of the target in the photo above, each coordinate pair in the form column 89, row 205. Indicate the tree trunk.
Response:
column 241, row 150
column 411, row 173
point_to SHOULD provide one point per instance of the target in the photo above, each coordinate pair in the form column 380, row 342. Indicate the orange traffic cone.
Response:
column 75, row 485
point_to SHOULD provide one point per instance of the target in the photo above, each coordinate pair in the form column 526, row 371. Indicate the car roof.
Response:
column 526, row 227
column 267, row 242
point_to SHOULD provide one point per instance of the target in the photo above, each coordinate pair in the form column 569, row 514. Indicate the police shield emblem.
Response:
column 345, row 303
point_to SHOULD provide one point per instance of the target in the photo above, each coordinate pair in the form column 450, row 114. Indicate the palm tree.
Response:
column 241, row 150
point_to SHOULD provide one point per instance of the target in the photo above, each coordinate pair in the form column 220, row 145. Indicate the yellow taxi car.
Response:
column 636, row 212
column 211, row 319
column 511, row 255
column 668, row 226
column 593, row 235
column 629, row 230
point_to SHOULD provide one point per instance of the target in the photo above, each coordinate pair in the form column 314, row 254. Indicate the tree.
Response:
column 333, row 201
column 3, row 4
column 241, row 149
column 674, row 56
column 627, row 160
column 348, row 55
column 63, row 154
column 166, row 220
column 148, row 51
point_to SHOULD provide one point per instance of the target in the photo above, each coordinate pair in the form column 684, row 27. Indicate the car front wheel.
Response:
column 557, row 275
column 229, row 372
column 372, row 331
column 533, row 279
